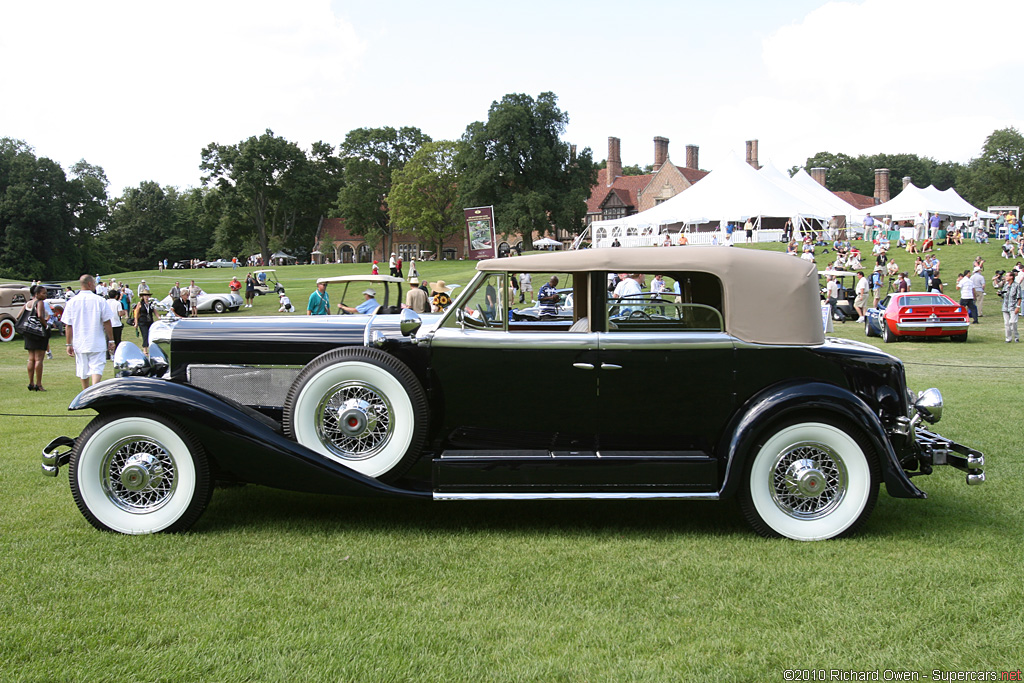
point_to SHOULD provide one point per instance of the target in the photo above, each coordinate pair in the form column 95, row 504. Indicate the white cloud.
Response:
column 117, row 82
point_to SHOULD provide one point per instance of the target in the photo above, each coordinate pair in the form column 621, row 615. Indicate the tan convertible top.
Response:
column 769, row 297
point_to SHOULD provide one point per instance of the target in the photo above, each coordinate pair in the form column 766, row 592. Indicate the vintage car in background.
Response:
column 13, row 297
column 221, row 263
column 211, row 303
column 753, row 402
column 915, row 315
column 562, row 310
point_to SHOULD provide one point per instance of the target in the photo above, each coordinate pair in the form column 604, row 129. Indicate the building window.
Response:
column 601, row 233
column 613, row 213
column 408, row 251
column 347, row 255
column 365, row 253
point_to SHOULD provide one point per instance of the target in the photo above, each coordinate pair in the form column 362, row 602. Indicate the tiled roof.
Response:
column 628, row 187
column 336, row 230
column 692, row 175
column 859, row 201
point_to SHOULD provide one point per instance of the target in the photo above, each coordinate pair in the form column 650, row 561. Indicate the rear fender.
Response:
column 243, row 443
column 791, row 399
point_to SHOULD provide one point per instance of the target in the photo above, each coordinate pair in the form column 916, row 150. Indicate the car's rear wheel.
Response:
column 360, row 407
column 219, row 307
column 961, row 338
column 139, row 474
column 6, row 330
column 810, row 481
column 888, row 336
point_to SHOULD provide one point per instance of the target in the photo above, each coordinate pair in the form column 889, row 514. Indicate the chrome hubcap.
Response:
column 138, row 474
column 354, row 420
column 808, row 480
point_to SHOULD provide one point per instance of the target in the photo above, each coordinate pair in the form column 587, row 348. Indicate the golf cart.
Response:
column 847, row 282
column 382, row 284
column 266, row 282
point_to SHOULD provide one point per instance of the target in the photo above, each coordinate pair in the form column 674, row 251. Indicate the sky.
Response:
column 139, row 88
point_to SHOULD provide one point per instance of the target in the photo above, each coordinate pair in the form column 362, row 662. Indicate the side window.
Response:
column 486, row 306
column 664, row 302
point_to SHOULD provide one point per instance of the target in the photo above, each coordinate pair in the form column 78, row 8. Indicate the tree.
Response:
column 996, row 178
column 517, row 161
column 424, row 194
column 371, row 156
column 141, row 221
column 262, row 176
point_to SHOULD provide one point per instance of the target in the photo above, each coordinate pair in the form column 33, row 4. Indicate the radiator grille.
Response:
column 247, row 385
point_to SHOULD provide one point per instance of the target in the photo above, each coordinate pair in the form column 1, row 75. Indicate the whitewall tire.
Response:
column 360, row 407
column 6, row 330
column 139, row 474
column 810, row 481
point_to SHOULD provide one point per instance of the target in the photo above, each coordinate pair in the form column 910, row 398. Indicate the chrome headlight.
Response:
column 129, row 360
column 929, row 405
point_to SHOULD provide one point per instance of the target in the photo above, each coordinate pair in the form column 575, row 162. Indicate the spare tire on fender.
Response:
column 360, row 407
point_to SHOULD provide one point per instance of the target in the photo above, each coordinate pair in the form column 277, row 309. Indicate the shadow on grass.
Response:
column 255, row 507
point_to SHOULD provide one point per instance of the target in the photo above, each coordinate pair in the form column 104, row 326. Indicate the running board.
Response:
column 582, row 495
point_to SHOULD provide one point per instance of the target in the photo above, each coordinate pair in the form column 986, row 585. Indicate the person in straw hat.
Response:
column 416, row 297
column 440, row 300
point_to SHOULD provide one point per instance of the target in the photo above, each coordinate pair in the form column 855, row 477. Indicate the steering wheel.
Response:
column 638, row 314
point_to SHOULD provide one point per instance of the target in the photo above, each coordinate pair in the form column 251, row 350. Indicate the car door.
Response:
column 524, row 386
column 666, row 379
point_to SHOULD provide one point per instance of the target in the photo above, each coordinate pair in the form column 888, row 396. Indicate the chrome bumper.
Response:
column 942, row 327
column 54, row 459
column 938, row 450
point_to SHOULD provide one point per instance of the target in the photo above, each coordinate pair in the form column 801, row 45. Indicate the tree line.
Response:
column 266, row 193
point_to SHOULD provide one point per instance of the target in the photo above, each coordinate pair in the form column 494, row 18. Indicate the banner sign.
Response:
column 480, row 228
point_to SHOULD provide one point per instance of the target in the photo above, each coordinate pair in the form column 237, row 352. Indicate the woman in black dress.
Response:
column 36, row 345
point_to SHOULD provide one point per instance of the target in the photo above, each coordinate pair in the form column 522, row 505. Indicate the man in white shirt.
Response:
column 966, row 287
column 861, row 295
column 87, row 324
column 101, row 289
column 143, row 287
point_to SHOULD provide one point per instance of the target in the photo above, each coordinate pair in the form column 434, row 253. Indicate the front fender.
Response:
column 242, row 442
column 791, row 398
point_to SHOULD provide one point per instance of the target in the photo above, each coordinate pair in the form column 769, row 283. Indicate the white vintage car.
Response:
column 217, row 303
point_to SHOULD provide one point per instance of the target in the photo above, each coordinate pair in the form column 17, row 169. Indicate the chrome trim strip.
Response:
column 451, row 338
column 593, row 495
column 633, row 341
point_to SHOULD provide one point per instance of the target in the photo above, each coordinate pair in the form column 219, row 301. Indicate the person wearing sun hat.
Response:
column 416, row 297
column 440, row 300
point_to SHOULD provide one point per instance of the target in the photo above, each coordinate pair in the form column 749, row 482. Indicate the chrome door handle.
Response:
column 610, row 366
column 583, row 366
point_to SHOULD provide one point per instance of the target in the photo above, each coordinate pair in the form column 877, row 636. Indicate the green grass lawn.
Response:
column 279, row 586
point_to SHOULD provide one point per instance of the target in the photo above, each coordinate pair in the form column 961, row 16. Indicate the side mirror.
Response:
column 410, row 322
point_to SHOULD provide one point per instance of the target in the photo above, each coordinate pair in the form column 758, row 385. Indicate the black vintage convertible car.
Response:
column 754, row 402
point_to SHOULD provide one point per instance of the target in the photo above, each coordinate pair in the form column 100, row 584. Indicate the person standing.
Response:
column 966, row 287
column 145, row 315
column 37, row 344
column 934, row 223
column 749, row 228
column 413, row 273
column 393, row 266
column 250, row 290
column 175, row 292
column 87, row 325
column 415, row 298
column 398, row 267
column 979, row 289
column 860, row 295
column 143, row 287
column 117, row 310
column 1011, row 292
column 319, row 301
column 525, row 285
column 193, row 296
column 548, row 297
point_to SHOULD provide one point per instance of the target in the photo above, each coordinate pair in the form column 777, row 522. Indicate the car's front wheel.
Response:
column 868, row 332
column 360, row 407
column 6, row 330
column 810, row 481
column 139, row 474
column 219, row 307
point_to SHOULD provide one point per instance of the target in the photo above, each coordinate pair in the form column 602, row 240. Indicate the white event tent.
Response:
column 732, row 192
column 914, row 200
column 828, row 203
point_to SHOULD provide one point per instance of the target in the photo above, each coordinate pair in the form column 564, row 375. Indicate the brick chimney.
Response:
column 881, row 185
column 752, row 154
column 614, row 165
column 906, row 181
column 819, row 175
column 660, row 152
column 691, row 157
